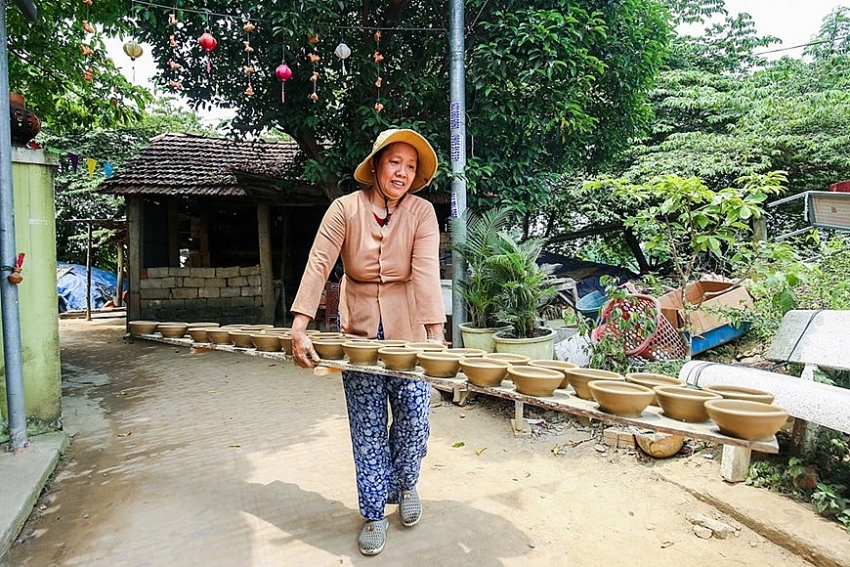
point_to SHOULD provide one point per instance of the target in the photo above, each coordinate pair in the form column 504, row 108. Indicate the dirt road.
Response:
column 225, row 459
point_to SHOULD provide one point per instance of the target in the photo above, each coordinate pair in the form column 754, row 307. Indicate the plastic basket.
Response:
column 651, row 338
column 589, row 305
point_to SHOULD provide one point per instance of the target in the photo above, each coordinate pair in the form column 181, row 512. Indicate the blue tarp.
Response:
column 71, row 287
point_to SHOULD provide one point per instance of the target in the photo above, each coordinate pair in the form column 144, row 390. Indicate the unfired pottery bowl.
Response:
column 199, row 334
column 361, row 352
column 242, row 338
column 467, row 352
column 329, row 349
column 651, row 380
column 660, row 445
column 219, row 336
column 559, row 365
column 684, row 404
column 440, row 364
column 580, row 377
column 745, row 419
column 285, row 343
column 621, row 398
column 509, row 357
column 730, row 392
column 398, row 358
column 203, row 324
column 172, row 330
column 535, row 381
column 426, row 346
column 484, row 372
column 266, row 343
column 391, row 342
column 143, row 327
column 327, row 335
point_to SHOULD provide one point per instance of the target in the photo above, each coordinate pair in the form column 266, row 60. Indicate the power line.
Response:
column 777, row 50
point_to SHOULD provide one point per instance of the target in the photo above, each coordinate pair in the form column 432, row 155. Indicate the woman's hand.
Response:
column 303, row 352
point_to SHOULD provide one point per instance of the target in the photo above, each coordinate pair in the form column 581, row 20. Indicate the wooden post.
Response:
column 119, row 277
column 518, row 423
column 88, row 272
column 735, row 463
column 284, row 249
column 134, row 256
column 266, row 275
column 173, row 233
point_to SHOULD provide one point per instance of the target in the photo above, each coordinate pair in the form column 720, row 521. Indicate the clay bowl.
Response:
column 745, row 419
column 535, row 381
column 361, row 352
column 660, row 445
column 559, row 365
column 740, row 393
column 327, row 335
column 391, row 342
column 328, row 348
column 199, row 334
column 509, row 357
column 440, row 364
column 467, row 352
column 398, row 358
column 426, row 347
column 266, row 343
column 484, row 372
column 621, row 398
column 684, row 404
column 172, row 330
column 580, row 377
column 219, row 336
column 285, row 343
column 651, row 380
column 240, row 338
column 143, row 327
column 203, row 324
column 255, row 328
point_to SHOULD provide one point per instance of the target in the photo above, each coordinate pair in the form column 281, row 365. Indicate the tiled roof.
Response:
column 183, row 164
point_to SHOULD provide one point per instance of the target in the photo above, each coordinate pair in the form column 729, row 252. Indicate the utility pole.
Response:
column 457, row 122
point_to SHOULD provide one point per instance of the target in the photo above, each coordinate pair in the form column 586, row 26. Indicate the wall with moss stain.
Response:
column 35, row 235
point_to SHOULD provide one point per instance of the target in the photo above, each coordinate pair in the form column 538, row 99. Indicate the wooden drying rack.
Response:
column 562, row 400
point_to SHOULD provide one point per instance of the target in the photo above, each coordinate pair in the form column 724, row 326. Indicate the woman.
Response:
column 389, row 243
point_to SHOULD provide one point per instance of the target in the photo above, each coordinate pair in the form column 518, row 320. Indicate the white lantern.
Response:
column 343, row 52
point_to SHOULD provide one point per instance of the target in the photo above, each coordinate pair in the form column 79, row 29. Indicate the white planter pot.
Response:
column 536, row 348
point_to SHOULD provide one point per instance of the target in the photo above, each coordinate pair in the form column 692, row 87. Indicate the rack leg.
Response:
column 518, row 423
column 735, row 463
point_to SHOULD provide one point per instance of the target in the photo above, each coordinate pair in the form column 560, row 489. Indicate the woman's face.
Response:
column 396, row 169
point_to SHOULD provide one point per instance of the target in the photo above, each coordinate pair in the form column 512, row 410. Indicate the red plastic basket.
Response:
column 651, row 338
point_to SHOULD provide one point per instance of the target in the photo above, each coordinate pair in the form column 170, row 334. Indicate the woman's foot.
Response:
column 410, row 508
column 373, row 536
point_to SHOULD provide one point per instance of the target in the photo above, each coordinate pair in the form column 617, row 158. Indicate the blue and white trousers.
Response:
column 386, row 459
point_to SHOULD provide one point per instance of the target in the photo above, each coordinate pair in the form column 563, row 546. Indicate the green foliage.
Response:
column 608, row 352
column 553, row 85
column 833, row 38
column 47, row 65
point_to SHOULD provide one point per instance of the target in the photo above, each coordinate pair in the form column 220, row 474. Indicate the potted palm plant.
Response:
column 525, row 293
column 480, row 291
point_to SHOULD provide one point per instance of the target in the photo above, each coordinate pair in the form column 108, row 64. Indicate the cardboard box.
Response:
column 707, row 297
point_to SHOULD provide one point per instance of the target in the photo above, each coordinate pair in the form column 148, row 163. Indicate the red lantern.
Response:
column 208, row 43
column 283, row 74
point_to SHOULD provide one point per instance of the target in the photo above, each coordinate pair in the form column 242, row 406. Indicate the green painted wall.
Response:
column 35, row 235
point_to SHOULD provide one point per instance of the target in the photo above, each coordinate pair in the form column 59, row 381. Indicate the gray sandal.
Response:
column 373, row 536
column 410, row 507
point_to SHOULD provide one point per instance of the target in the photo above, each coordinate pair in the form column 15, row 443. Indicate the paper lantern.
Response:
column 283, row 74
column 208, row 43
column 343, row 52
column 133, row 50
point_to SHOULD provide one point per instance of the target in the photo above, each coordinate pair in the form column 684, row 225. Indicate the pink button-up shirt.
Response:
column 392, row 273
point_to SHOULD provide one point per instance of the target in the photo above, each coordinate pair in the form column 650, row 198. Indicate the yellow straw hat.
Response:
column 427, row 157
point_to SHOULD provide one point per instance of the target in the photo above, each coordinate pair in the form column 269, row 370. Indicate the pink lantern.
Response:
column 283, row 74
column 208, row 43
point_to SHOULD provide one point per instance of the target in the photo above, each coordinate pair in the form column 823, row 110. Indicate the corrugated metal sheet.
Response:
column 183, row 164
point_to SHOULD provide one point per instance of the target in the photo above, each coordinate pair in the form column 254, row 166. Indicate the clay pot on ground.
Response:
column 484, row 372
column 684, row 404
column 219, row 336
column 173, row 330
column 361, row 352
column 240, row 338
column 398, row 358
column 199, row 334
column 143, row 327
column 266, row 343
column 440, row 364
column 580, row 377
column 535, row 381
column 621, row 398
column 730, row 392
column 651, row 380
column 329, row 348
column 560, row 365
column 660, row 445
column 745, row 419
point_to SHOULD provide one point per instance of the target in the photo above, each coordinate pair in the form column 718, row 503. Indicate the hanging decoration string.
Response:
column 378, row 58
column 174, row 67
column 249, row 68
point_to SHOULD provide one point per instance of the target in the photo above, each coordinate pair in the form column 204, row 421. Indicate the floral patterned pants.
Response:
column 386, row 460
